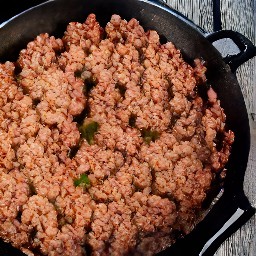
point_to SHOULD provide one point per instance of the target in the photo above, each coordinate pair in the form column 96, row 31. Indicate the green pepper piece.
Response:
column 88, row 129
column 149, row 135
column 82, row 181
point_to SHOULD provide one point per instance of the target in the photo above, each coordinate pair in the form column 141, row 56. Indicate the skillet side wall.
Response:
column 54, row 16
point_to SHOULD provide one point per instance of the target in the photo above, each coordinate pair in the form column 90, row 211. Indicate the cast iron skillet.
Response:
column 232, row 209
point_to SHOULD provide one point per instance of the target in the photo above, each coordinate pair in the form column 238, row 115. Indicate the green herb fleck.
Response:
column 149, row 135
column 88, row 129
column 83, row 181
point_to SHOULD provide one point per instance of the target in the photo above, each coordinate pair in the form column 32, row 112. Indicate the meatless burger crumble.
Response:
column 106, row 146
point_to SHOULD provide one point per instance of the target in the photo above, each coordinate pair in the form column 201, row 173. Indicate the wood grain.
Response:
column 199, row 11
column 238, row 16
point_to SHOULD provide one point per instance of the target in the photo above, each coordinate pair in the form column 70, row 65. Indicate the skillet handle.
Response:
column 246, row 47
column 228, row 214
column 234, row 214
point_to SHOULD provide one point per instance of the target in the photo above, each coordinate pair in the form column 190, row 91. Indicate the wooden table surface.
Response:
column 238, row 15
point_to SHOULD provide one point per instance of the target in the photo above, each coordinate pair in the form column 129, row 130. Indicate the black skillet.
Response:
column 232, row 209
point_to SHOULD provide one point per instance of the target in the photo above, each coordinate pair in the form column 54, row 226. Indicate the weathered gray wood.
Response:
column 238, row 16
column 199, row 11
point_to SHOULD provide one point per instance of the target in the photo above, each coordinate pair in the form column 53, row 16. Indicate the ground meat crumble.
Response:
column 139, row 177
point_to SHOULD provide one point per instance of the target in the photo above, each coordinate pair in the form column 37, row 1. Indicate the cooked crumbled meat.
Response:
column 106, row 146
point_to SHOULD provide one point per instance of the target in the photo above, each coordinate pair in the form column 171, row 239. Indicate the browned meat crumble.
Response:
column 106, row 148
